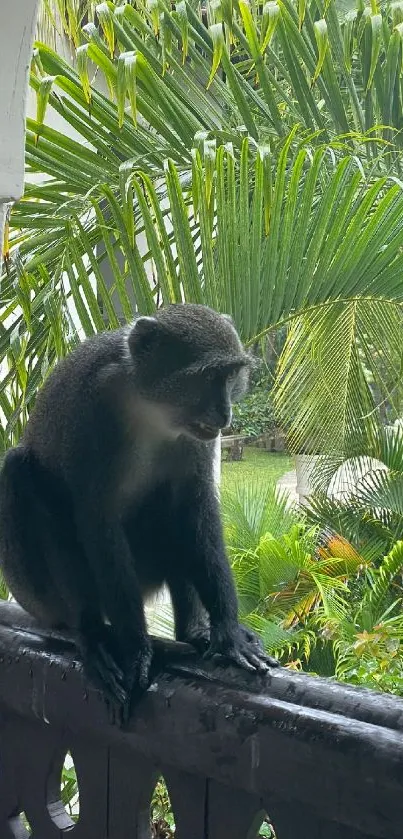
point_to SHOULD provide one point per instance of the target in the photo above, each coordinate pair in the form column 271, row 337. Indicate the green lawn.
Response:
column 256, row 463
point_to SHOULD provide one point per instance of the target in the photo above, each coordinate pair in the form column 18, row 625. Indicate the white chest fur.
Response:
column 142, row 468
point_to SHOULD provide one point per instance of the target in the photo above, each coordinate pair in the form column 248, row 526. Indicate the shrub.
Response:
column 254, row 415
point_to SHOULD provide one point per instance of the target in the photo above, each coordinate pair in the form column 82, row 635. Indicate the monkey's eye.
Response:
column 208, row 376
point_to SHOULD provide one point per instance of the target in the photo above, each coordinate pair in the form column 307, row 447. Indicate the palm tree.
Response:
column 211, row 169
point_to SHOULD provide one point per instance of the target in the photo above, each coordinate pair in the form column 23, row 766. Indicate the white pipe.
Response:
column 17, row 34
column 217, row 465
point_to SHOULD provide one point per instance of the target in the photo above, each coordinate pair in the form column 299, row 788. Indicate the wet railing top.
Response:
column 323, row 759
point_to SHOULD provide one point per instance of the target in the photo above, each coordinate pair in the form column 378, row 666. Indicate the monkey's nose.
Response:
column 224, row 417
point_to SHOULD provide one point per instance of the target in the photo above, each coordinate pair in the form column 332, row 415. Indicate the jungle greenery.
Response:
column 255, row 152
column 247, row 156
column 322, row 602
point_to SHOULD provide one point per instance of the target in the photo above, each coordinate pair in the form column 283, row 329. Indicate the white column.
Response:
column 304, row 467
column 217, row 465
column 3, row 214
column 17, row 31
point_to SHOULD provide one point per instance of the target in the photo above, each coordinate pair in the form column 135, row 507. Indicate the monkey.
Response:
column 109, row 495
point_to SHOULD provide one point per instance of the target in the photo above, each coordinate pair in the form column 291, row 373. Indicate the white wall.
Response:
column 16, row 37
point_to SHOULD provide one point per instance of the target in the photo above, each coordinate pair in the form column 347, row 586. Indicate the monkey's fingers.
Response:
column 110, row 664
column 238, row 658
column 112, row 690
column 103, row 676
column 258, row 662
column 270, row 660
column 244, row 656
column 138, row 669
column 267, row 660
column 107, row 684
column 255, row 642
column 144, row 671
column 259, row 659
column 231, row 654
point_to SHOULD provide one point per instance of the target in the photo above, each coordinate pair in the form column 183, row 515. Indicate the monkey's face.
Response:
column 203, row 403
column 190, row 366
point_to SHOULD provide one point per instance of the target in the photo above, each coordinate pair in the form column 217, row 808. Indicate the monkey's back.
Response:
column 68, row 400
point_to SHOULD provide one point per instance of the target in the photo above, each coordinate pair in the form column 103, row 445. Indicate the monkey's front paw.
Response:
column 137, row 675
column 241, row 646
column 103, row 672
column 256, row 644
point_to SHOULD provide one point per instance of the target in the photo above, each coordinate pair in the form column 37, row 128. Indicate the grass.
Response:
column 256, row 464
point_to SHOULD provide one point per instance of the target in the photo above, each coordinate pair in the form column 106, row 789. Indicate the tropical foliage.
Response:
column 254, row 415
column 315, row 600
column 241, row 156
column 341, row 366
column 369, row 511
column 246, row 156
column 368, row 642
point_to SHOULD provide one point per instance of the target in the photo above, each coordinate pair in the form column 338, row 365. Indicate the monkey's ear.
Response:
column 142, row 333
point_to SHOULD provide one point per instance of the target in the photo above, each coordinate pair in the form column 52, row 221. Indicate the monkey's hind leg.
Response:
column 44, row 567
column 192, row 624
column 22, row 559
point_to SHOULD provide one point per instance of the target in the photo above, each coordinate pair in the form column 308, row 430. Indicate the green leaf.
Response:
column 322, row 40
column 375, row 22
column 217, row 37
column 42, row 97
column 270, row 16
column 104, row 12
column 82, row 69
column 184, row 27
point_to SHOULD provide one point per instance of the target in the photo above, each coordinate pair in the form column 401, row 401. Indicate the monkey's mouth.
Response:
column 203, row 431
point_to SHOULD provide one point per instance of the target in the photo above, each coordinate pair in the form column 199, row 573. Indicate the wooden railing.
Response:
column 323, row 760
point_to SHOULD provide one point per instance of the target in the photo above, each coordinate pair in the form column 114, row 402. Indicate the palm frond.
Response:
column 353, row 522
column 342, row 64
column 108, row 227
column 251, row 510
column 323, row 393
column 177, row 176
column 382, row 493
column 369, row 511
column 390, row 567
column 276, row 639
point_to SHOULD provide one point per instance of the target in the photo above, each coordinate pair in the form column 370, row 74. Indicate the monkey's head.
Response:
column 190, row 365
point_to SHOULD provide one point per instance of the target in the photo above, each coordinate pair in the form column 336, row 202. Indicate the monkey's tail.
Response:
column 17, row 490
column 23, row 477
column 15, row 474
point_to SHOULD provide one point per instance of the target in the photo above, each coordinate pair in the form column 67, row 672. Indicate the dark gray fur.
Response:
column 110, row 494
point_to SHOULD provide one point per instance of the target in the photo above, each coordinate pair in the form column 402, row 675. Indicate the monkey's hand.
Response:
column 101, row 668
column 255, row 643
column 240, row 645
column 136, row 667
